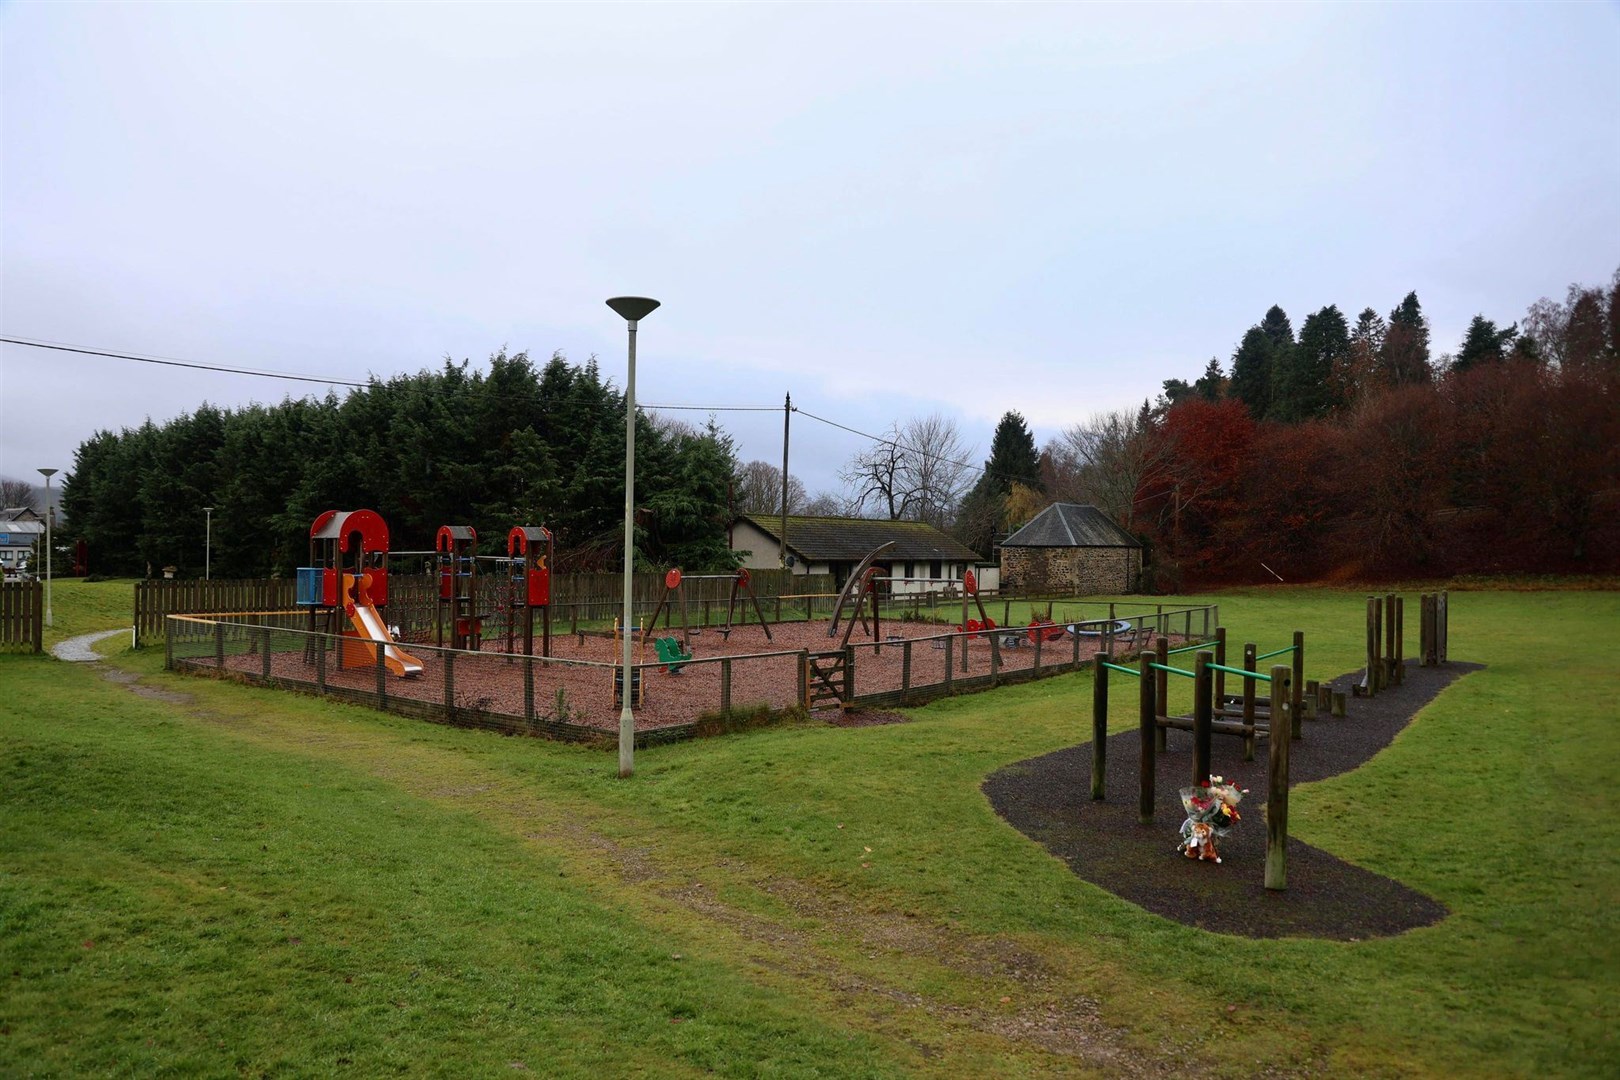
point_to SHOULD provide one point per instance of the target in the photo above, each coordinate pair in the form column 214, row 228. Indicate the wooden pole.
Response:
column 1147, row 726
column 1389, row 639
column 1248, row 703
column 1298, row 683
column 1203, row 716
column 1099, row 725
column 1400, row 640
column 1161, row 688
column 1277, row 785
column 1220, row 658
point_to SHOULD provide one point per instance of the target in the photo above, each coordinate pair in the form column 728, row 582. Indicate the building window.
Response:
column 934, row 569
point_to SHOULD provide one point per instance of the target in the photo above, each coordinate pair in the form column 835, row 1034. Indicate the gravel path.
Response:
column 1048, row 799
column 78, row 650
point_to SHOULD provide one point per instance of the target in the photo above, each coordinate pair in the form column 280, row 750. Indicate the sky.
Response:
column 886, row 210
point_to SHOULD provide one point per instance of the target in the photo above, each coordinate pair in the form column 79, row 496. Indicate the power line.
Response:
column 916, row 449
column 171, row 362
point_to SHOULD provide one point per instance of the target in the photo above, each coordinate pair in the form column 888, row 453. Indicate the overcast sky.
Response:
column 886, row 210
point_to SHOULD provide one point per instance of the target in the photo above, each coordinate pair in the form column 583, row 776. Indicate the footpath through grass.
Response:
column 312, row 885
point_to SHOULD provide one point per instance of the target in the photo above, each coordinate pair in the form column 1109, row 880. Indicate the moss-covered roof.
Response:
column 1071, row 525
column 843, row 539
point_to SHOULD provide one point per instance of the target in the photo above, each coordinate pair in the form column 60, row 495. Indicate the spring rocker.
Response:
column 456, row 549
column 529, row 553
column 347, row 580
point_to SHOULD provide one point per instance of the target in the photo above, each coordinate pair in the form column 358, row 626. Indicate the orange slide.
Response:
column 369, row 625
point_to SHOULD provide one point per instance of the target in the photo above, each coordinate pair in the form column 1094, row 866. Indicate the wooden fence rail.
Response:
column 22, row 615
column 412, row 598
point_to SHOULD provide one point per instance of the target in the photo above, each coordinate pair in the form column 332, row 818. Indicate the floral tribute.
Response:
column 1211, row 813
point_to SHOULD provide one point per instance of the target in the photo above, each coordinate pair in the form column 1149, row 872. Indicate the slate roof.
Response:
column 842, row 539
column 1071, row 525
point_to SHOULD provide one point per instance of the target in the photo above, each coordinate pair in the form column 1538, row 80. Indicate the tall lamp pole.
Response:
column 632, row 309
column 208, row 544
column 50, row 619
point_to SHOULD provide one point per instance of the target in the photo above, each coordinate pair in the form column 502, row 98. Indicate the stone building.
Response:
column 1071, row 548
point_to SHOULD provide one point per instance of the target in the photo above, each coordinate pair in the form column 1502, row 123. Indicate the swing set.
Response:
column 675, row 594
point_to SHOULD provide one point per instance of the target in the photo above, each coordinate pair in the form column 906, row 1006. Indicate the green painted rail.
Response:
column 1192, row 648
column 1269, row 655
column 1172, row 670
column 1122, row 670
column 1239, row 671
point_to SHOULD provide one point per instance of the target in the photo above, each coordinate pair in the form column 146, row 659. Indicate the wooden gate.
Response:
column 827, row 680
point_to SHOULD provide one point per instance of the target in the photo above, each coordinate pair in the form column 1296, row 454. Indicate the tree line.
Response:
column 515, row 445
column 1352, row 452
column 1342, row 450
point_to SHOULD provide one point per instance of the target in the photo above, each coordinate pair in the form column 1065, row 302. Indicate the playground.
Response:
column 485, row 651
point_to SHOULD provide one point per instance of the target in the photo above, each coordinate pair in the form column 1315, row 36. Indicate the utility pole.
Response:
column 787, row 414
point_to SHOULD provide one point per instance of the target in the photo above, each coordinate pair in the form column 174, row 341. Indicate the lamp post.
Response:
column 632, row 309
column 50, row 618
column 208, row 544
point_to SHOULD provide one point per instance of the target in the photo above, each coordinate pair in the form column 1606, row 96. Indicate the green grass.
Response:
column 537, row 898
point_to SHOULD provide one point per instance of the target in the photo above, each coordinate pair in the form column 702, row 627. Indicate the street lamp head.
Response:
column 48, row 473
column 633, row 308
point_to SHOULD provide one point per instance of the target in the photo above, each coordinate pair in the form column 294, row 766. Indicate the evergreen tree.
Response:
column 1484, row 344
column 1305, row 386
column 1013, row 459
column 1211, row 386
column 1404, row 356
column 1251, row 371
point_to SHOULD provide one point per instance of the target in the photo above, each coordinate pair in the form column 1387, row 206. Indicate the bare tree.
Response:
column 15, row 493
column 827, row 504
column 917, row 472
column 759, row 490
column 1108, row 458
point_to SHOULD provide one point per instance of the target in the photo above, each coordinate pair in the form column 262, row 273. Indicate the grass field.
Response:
column 205, row 878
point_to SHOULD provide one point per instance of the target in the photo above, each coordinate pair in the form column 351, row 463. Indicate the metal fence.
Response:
column 576, row 700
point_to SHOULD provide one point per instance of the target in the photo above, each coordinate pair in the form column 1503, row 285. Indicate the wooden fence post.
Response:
column 804, row 678
column 950, row 644
column 1277, row 785
column 1147, row 726
column 1220, row 658
column 905, row 671
column 320, row 663
column 219, row 645
column 1099, row 725
column 1389, row 640
column 849, row 676
column 264, row 653
column 725, row 685
column 1442, row 624
column 528, row 691
column 449, row 685
column 382, row 676
column 168, row 644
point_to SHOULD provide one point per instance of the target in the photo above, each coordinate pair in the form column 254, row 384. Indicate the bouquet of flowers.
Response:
column 1211, row 813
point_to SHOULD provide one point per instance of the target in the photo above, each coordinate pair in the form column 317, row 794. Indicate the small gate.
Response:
column 826, row 680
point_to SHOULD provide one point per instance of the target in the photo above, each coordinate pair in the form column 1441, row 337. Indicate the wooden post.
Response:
column 382, row 675
column 1339, row 704
column 1389, row 640
column 725, row 685
column 1400, row 640
column 905, row 671
column 1370, row 680
column 264, row 652
column 1099, row 726
column 528, row 690
column 1248, row 703
column 995, row 659
column 168, row 643
column 804, row 679
column 219, row 645
column 1442, row 624
column 1313, row 694
column 1375, row 659
column 450, row 686
column 950, row 643
column 1161, row 688
column 849, row 676
column 1203, row 715
column 1147, row 726
column 1038, row 638
column 1220, row 658
column 1277, row 785
column 1297, row 680
column 320, row 663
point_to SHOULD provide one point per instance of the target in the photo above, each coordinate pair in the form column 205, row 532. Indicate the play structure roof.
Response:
column 842, row 539
column 1071, row 525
